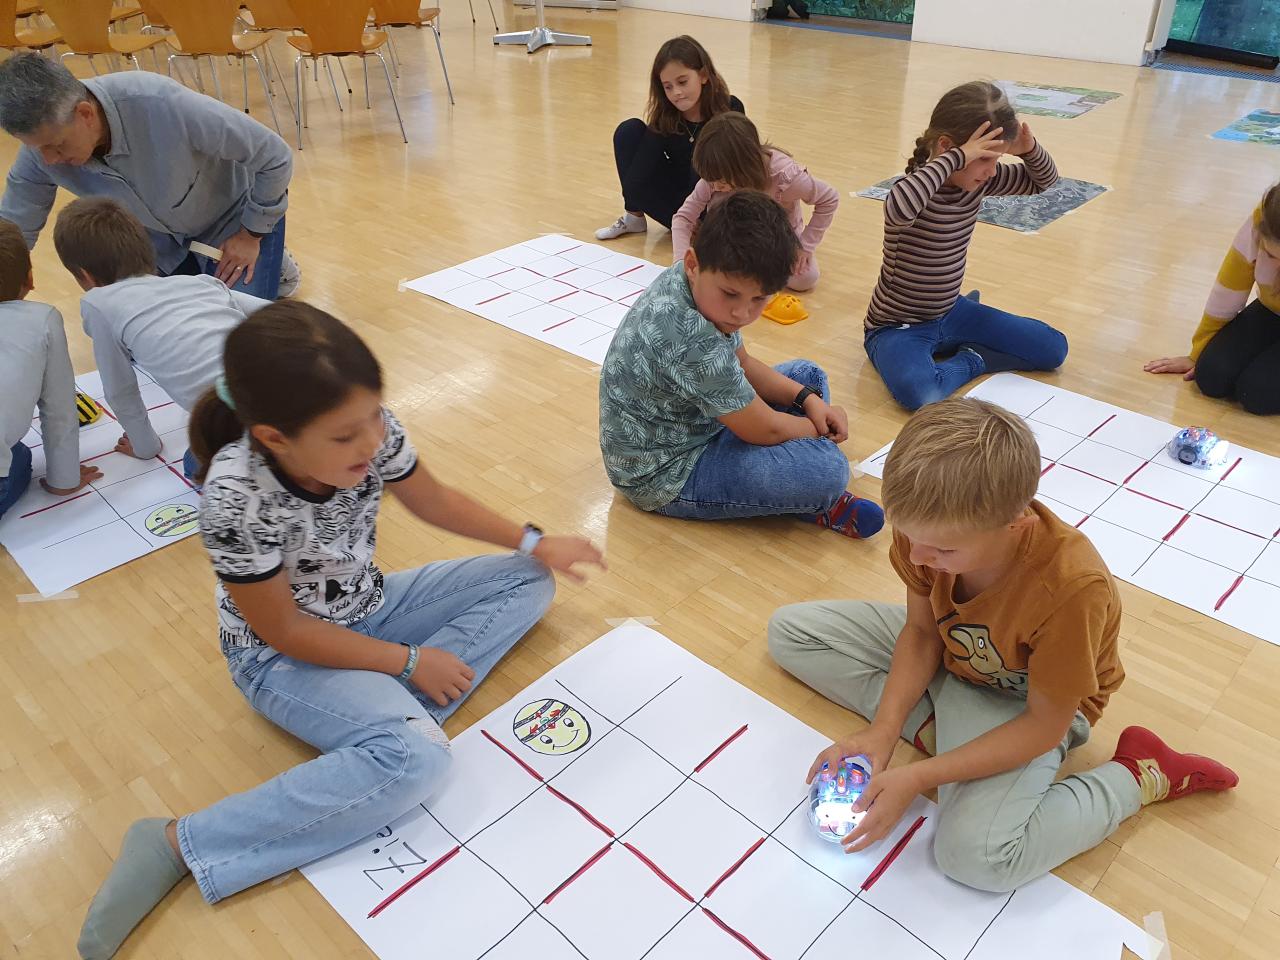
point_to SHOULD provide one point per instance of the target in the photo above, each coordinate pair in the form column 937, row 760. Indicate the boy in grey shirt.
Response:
column 35, row 370
column 172, row 327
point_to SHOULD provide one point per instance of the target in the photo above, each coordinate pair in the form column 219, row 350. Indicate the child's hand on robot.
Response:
column 887, row 795
column 874, row 744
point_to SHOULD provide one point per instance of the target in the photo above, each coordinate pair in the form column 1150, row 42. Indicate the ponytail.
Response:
column 920, row 156
column 285, row 365
column 212, row 426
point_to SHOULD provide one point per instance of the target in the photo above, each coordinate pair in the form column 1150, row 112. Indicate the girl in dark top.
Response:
column 655, row 155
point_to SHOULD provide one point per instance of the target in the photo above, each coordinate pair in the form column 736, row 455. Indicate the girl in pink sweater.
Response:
column 729, row 156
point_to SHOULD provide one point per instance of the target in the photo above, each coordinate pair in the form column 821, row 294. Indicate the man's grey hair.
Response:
column 34, row 91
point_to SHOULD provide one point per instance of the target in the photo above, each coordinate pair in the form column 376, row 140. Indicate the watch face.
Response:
column 533, row 529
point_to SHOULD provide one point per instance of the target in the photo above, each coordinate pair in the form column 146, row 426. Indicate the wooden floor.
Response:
column 117, row 704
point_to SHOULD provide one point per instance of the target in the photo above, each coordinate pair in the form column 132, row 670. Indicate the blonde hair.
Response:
column 958, row 115
column 963, row 464
column 1269, row 225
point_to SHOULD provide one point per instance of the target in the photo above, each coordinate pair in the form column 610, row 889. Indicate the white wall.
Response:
column 725, row 9
column 1110, row 31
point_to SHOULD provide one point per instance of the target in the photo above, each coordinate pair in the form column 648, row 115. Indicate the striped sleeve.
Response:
column 1035, row 174
column 908, row 197
column 1231, row 288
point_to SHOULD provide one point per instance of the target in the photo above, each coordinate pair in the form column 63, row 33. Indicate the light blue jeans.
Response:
column 735, row 479
column 382, row 749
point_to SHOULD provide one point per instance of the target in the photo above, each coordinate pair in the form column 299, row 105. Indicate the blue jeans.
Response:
column 382, row 749
column 266, row 272
column 15, row 484
column 904, row 356
column 190, row 465
column 734, row 479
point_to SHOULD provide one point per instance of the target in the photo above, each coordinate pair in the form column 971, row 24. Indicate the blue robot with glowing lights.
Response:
column 833, row 794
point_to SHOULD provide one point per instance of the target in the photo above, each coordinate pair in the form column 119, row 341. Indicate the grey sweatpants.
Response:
column 995, row 833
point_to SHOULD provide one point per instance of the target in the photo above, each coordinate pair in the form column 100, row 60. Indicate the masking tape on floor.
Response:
column 623, row 621
column 41, row 598
column 1154, row 923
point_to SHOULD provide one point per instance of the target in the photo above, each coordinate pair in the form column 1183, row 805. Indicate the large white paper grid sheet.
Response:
column 138, row 506
column 663, row 818
column 561, row 291
column 1207, row 539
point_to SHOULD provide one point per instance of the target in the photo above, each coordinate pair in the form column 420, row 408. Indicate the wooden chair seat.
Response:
column 235, row 46
column 373, row 40
column 28, row 10
column 425, row 18
column 126, row 12
column 39, row 39
column 131, row 43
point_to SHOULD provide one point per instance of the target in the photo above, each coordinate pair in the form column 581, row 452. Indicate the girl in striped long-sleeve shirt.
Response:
column 1235, row 352
column 926, row 340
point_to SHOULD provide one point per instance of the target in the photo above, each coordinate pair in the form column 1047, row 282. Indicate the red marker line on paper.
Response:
column 416, row 880
column 1223, row 523
column 1177, row 526
column 1229, row 469
column 1085, row 472
column 717, row 751
column 581, row 809
column 736, row 935
column 58, row 504
column 730, row 872
column 560, row 324
column 1135, row 473
column 1101, row 425
column 1156, row 499
column 491, row 299
column 528, row 769
column 1048, row 468
column 579, row 872
column 1230, row 590
column 658, row 870
column 898, row 847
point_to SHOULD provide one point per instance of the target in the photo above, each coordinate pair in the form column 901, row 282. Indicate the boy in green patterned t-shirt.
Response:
column 693, row 426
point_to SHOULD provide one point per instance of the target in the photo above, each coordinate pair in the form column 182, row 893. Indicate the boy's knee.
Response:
column 804, row 372
column 784, row 633
column 417, row 755
column 960, row 850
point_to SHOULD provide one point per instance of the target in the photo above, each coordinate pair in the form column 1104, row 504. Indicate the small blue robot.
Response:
column 833, row 794
column 1198, row 447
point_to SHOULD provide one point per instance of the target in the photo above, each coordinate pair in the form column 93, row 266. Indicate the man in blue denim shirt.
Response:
column 189, row 167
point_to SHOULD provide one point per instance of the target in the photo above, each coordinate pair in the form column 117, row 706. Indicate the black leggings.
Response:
column 656, row 175
column 1243, row 361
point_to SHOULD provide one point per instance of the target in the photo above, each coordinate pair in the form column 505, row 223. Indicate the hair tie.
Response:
column 224, row 394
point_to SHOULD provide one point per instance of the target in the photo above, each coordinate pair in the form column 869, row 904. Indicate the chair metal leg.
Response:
column 395, row 60
column 328, row 68
column 217, row 80
column 365, row 63
column 492, row 14
column 134, row 61
column 473, row 11
column 244, row 80
column 155, row 57
column 266, row 90
column 93, row 65
column 195, row 65
column 271, row 58
column 347, row 83
column 435, row 29
column 391, row 86
column 297, row 78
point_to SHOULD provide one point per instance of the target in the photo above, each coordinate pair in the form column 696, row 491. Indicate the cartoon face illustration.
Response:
column 972, row 643
column 551, row 727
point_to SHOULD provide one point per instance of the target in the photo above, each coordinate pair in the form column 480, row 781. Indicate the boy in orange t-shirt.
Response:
column 1003, row 658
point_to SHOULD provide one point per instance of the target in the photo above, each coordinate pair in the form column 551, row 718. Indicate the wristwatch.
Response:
column 804, row 394
column 529, row 542
column 255, row 234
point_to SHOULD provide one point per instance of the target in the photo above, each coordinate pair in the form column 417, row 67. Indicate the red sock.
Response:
column 1163, row 773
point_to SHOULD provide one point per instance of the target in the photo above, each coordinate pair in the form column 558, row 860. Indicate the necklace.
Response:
column 691, row 128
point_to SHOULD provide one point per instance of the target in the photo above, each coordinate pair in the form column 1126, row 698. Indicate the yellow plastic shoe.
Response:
column 87, row 409
column 786, row 308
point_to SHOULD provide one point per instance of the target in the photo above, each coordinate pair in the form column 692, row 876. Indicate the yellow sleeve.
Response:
column 1231, row 287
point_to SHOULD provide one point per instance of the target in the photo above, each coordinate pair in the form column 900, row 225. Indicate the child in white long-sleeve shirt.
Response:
column 729, row 156
column 171, row 327
column 35, row 371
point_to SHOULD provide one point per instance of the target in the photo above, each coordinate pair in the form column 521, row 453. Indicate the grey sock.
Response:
column 146, row 869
